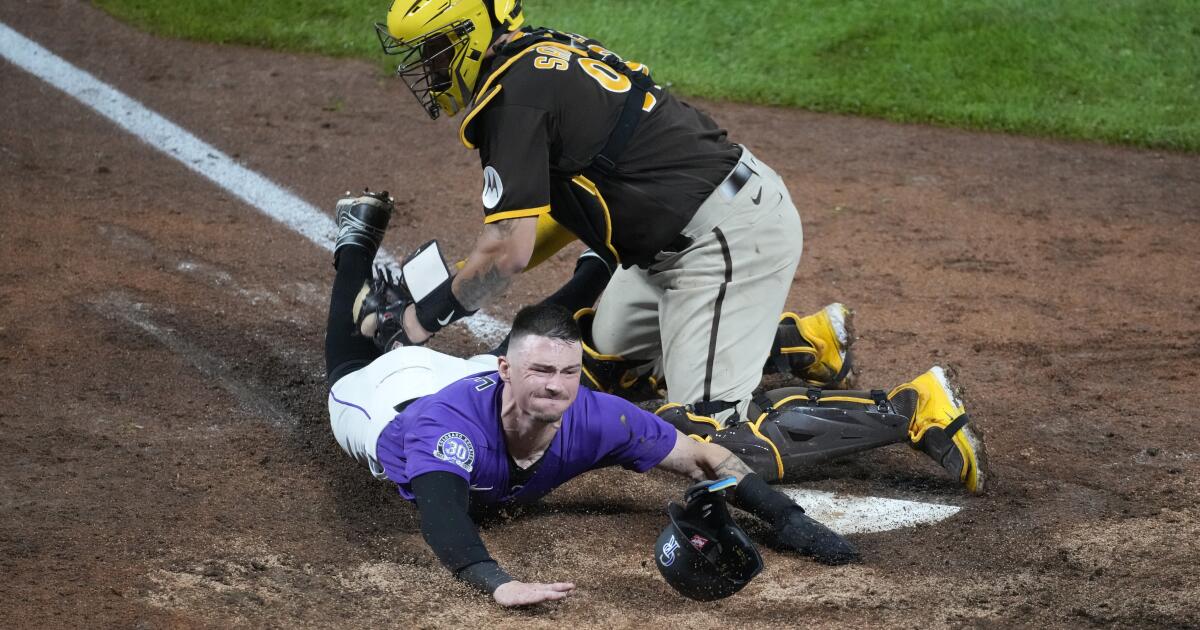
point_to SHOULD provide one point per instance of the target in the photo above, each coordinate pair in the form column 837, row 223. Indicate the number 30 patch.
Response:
column 456, row 448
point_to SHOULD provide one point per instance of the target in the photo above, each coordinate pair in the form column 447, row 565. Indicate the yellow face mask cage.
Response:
column 442, row 44
column 431, row 65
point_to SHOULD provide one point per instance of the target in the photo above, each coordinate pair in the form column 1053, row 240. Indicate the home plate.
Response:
column 848, row 514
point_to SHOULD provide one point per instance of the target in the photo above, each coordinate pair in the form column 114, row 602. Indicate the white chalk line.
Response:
column 199, row 156
column 844, row 513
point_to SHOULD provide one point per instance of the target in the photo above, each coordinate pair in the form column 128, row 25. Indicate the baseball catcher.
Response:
column 576, row 142
column 454, row 433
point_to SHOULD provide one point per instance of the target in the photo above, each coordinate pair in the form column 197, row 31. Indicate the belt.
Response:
column 735, row 181
column 729, row 188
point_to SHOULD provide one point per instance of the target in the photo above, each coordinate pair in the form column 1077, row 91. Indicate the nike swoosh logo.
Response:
column 443, row 322
column 757, row 197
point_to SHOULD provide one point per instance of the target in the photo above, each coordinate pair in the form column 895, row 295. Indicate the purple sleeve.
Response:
column 633, row 438
column 441, row 445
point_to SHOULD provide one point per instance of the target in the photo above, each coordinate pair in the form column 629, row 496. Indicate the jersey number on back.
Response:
column 554, row 58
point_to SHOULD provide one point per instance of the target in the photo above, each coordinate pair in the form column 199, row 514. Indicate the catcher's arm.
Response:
column 550, row 238
column 502, row 251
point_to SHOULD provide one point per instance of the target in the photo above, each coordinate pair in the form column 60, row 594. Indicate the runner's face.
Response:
column 544, row 376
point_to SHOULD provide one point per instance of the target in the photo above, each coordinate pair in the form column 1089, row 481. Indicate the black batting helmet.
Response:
column 702, row 553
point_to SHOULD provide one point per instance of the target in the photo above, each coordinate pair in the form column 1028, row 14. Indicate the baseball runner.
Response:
column 574, row 141
column 454, row 433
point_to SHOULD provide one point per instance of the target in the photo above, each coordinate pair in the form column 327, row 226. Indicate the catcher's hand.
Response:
column 379, row 312
column 801, row 533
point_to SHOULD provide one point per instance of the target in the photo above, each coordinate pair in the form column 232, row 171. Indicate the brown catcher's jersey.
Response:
column 545, row 108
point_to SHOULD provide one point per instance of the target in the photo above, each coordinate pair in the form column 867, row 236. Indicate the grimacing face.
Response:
column 543, row 375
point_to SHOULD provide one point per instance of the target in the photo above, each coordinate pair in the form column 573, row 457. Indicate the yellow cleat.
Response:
column 938, row 426
column 816, row 348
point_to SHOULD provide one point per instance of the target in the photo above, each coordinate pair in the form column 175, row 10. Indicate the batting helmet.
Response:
column 441, row 44
column 703, row 553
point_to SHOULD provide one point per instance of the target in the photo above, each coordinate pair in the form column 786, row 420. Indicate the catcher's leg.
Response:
column 815, row 349
column 621, row 344
column 794, row 428
column 632, row 379
column 798, row 428
column 722, row 295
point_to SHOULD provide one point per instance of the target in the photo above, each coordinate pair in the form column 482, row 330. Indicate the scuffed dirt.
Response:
column 166, row 458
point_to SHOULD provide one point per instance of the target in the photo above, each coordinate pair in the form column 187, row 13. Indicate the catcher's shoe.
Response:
column 816, row 348
column 938, row 426
column 362, row 221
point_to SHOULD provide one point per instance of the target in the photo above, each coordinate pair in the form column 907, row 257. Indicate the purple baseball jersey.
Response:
column 457, row 430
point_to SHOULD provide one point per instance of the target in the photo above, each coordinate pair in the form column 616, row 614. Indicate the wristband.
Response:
column 440, row 308
column 756, row 497
column 487, row 576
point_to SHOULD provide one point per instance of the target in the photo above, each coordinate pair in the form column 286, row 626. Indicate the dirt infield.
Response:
column 166, row 460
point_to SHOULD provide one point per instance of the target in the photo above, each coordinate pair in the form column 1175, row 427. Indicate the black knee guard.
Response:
column 612, row 374
column 800, row 427
column 687, row 421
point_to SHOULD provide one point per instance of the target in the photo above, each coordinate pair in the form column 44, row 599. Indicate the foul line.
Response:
column 865, row 513
column 199, row 156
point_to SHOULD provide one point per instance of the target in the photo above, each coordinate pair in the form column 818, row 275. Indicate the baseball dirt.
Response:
column 167, row 458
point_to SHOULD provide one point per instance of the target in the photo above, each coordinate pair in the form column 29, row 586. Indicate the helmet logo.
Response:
column 667, row 557
column 493, row 188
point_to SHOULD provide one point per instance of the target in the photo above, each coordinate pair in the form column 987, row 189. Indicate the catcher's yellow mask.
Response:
column 441, row 44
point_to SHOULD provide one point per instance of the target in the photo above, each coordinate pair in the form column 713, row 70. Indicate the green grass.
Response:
column 1121, row 71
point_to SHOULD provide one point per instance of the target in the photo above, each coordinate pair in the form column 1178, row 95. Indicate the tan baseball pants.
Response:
column 706, row 316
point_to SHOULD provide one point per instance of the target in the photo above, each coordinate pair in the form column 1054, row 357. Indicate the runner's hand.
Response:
column 523, row 594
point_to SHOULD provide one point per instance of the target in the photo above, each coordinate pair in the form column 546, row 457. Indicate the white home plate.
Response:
column 848, row 514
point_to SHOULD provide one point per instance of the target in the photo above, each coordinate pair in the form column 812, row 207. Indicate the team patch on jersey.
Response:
column 456, row 448
column 492, row 187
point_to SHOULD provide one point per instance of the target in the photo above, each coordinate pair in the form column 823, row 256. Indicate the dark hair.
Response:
column 545, row 320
